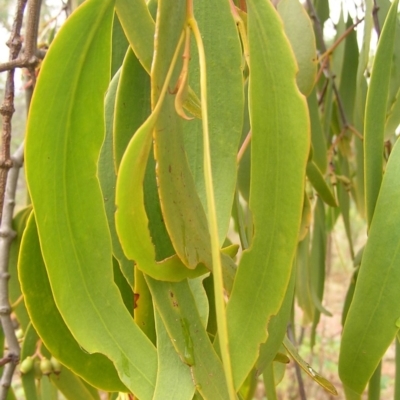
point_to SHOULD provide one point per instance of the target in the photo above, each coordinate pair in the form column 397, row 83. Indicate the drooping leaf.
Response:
column 317, row 180
column 131, row 217
column 108, row 179
column 303, row 280
column 184, row 215
column 277, row 329
column 144, row 312
column 372, row 320
column 132, row 104
column 278, row 115
column 178, row 310
column 375, row 112
column 174, row 380
column 119, row 46
column 307, row 369
column 66, row 196
column 318, row 138
column 299, row 30
column 348, row 73
column 225, row 106
column 71, row 386
column 15, row 294
column 317, row 265
column 94, row 368
column 138, row 26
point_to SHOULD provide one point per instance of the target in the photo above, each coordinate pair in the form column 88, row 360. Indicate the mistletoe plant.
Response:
column 154, row 126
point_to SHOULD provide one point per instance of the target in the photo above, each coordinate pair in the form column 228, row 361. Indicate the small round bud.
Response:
column 19, row 333
column 45, row 366
column 56, row 365
column 26, row 365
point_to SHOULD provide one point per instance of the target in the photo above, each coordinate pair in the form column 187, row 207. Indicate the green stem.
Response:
column 397, row 377
column 269, row 382
column 212, row 214
column 374, row 387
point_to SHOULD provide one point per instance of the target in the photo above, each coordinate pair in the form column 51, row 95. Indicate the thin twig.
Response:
column 244, row 147
column 9, row 171
column 7, row 108
column 377, row 26
column 302, row 392
column 7, row 234
column 326, row 65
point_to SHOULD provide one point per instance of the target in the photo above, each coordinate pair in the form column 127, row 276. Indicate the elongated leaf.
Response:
column 338, row 55
column 138, row 25
column 375, row 112
column 131, row 217
column 132, row 105
column 144, row 312
column 277, row 329
column 300, row 33
column 68, row 203
column 393, row 110
column 139, row 29
column 178, row 310
column 373, row 318
column 119, row 46
column 278, row 117
column 225, row 106
column 108, row 179
column 71, row 386
column 317, row 180
column 95, row 368
column 317, row 265
column 348, row 80
column 307, row 369
column 303, row 280
column 15, row 293
column 174, row 380
column 318, row 138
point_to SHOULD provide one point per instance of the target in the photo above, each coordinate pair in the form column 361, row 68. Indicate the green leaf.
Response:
column 94, row 368
column 279, row 116
column 183, row 212
column 132, row 104
column 71, row 386
column 299, row 30
column 119, row 46
column 131, row 217
column 177, row 307
column 225, row 101
column 348, row 73
column 318, row 138
column 393, row 110
column 174, row 380
column 66, row 196
column 14, row 288
column 277, row 329
column 303, row 280
column 138, row 26
column 318, row 182
column 144, row 312
column 307, row 369
column 317, row 265
column 371, row 323
column 108, row 179
column 375, row 112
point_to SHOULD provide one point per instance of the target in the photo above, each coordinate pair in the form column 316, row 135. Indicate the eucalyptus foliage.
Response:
column 186, row 162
